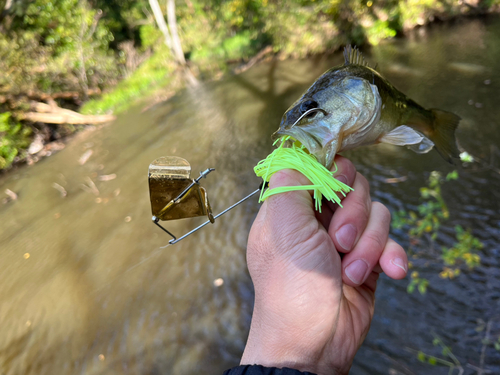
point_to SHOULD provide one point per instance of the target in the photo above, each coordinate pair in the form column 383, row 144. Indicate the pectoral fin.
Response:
column 401, row 136
column 423, row 147
column 405, row 136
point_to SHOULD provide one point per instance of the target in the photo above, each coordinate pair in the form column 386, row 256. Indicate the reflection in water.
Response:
column 99, row 295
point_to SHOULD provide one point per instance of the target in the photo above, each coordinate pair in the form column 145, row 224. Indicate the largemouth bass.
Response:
column 353, row 105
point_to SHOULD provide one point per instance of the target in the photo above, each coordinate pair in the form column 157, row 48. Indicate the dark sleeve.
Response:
column 261, row 370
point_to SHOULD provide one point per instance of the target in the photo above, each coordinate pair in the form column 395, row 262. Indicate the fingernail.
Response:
column 346, row 236
column 398, row 262
column 356, row 271
column 342, row 178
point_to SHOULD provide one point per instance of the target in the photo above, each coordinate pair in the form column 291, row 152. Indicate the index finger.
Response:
column 345, row 172
column 349, row 222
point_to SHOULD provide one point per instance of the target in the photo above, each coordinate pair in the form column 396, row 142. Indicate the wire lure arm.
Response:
column 174, row 195
column 174, row 240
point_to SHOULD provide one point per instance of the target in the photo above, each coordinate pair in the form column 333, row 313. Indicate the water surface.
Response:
column 87, row 286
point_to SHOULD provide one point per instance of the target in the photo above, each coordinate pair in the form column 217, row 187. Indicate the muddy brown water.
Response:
column 87, row 285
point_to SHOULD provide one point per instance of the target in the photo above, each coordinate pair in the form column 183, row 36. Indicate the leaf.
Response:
column 466, row 157
column 410, row 288
column 424, row 192
column 452, row 176
column 421, row 356
column 422, row 287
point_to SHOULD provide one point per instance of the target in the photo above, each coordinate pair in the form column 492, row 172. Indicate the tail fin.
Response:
column 444, row 126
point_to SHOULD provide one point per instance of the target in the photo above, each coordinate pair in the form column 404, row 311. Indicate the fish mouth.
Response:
column 311, row 143
column 313, row 133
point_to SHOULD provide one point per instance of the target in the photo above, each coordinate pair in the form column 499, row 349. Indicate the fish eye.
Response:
column 306, row 106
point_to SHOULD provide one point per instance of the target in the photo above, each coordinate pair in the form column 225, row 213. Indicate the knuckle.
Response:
column 374, row 239
column 363, row 182
column 361, row 208
column 382, row 212
column 346, row 167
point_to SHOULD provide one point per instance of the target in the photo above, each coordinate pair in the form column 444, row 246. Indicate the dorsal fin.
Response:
column 354, row 56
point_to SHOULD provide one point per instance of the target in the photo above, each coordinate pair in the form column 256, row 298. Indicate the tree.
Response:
column 171, row 36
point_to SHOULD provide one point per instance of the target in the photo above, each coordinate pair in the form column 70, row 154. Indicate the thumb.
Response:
column 287, row 217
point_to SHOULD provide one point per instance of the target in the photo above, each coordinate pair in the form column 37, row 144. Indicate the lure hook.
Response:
column 308, row 112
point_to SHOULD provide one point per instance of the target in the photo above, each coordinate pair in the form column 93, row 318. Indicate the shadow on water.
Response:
column 86, row 287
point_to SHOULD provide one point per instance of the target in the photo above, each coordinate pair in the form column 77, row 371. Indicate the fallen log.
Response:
column 52, row 114
column 62, row 118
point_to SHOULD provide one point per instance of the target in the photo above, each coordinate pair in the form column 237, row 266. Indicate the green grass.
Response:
column 155, row 73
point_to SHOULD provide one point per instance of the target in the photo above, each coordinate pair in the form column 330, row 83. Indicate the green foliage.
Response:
column 13, row 137
column 238, row 46
column 465, row 250
column 449, row 360
column 50, row 46
column 150, row 35
column 417, row 282
column 425, row 358
column 416, row 12
column 56, row 45
column 156, row 72
column 430, row 213
column 488, row 339
column 301, row 28
column 379, row 31
column 123, row 18
column 424, row 224
column 445, row 352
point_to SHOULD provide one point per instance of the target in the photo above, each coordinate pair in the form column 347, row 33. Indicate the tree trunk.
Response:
column 172, row 39
column 5, row 17
column 160, row 21
column 176, row 42
column 83, row 70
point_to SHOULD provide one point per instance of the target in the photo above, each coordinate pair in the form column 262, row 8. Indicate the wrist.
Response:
column 292, row 325
column 273, row 345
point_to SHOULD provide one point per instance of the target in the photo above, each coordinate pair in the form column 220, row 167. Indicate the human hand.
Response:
column 313, row 309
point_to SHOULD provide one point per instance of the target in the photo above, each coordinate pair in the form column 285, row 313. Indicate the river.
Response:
column 88, row 285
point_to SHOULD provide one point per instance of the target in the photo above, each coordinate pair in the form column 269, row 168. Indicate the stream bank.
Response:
column 69, row 50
